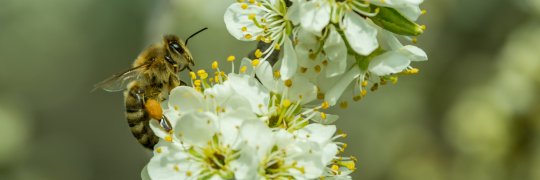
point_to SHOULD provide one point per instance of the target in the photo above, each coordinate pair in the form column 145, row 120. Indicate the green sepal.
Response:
column 363, row 61
column 393, row 21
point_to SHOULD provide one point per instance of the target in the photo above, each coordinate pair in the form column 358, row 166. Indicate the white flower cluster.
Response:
column 234, row 127
column 261, row 123
column 333, row 43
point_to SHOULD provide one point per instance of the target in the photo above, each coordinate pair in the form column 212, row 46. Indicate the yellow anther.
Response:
column 176, row 108
column 211, row 79
column 193, row 76
column 277, row 74
column 423, row 11
column 335, row 168
column 244, row 6
column 413, row 71
column 198, row 89
column 255, row 62
column 286, row 103
column 202, row 74
column 251, row 1
column 323, row 115
column 258, row 53
column 168, row 138
column 357, row 98
column 243, row 69
column 317, row 68
column 325, row 105
column 277, row 46
column 231, row 58
column 244, row 29
column 248, row 36
column 344, row 105
column 288, row 83
column 363, row 92
column 325, row 63
column 189, row 173
column 251, row 16
column 240, row 1
column 214, row 65
column 158, row 150
column 423, row 27
column 343, row 135
column 197, row 83
column 394, row 79
column 348, row 164
column 364, row 83
column 414, row 40
column 267, row 40
column 303, row 69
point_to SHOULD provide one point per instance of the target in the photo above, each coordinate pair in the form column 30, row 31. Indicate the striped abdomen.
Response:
column 137, row 116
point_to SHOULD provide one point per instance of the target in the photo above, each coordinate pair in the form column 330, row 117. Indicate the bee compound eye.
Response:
column 169, row 59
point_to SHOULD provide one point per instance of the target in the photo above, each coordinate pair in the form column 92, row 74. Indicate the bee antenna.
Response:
column 195, row 34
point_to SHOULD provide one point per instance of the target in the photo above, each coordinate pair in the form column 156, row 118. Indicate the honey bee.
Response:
column 153, row 75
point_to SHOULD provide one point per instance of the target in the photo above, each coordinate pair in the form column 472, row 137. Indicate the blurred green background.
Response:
column 473, row 112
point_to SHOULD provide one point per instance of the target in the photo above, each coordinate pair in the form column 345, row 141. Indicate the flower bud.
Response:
column 391, row 20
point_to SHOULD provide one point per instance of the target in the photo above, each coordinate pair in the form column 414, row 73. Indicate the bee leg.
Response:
column 165, row 124
column 174, row 81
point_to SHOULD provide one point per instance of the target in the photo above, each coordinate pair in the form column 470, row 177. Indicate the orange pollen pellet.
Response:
column 153, row 108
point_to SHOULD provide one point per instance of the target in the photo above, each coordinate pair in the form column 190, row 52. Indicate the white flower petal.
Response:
column 332, row 96
column 411, row 12
column 236, row 18
column 266, row 75
column 336, row 51
column 258, row 136
column 196, row 128
column 330, row 118
column 321, row 134
column 162, row 165
column 251, row 91
column 157, row 129
column 302, row 89
column 293, row 12
column 186, row 99
column 283, row 138
column 289, row 61
column 360, row 34
column 144, row 174
column 329, row 153
column 315, row 15
column 230, row 125
column 388, row 63
column 246, row 62
column 414, row 53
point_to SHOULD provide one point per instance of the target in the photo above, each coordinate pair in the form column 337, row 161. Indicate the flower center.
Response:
column 216, row 160
column 276, row 166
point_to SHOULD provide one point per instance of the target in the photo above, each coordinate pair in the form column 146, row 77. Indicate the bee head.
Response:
column 174, row 44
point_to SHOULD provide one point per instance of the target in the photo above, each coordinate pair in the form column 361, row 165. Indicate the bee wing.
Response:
column 118, row 82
